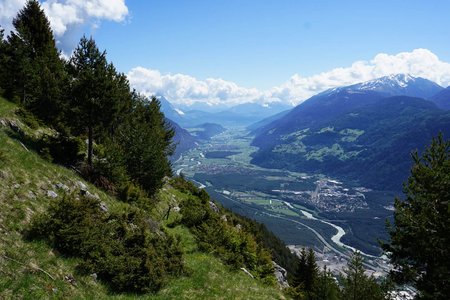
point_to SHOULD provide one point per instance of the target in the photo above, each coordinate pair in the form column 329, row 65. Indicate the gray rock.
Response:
column 103, row 207
column 62, row 186
column 87, row 194
column 14, row 127
column 176, row 208
column 3, row 122
column 224, row 218
column 82, row 186
column 16, row 186
column 281, row 275
column 94, row 276
column 214, row 207
column 52, row 194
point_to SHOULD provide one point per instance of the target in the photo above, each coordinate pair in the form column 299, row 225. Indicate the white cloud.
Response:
column 8, row 10
column 418, row 63
column 63, row 14
column 184, row 89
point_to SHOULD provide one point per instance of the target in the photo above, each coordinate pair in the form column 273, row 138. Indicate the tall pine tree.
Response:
column 100, row 95
column 36, row 74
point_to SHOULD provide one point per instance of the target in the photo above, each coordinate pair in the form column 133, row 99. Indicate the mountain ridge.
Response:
column 340, row 130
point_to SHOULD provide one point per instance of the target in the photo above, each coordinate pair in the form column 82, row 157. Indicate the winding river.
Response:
column 337, row 237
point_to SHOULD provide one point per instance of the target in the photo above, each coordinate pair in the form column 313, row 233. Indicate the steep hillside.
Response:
column 33, row 269
column 182, row 139
column 355, row 132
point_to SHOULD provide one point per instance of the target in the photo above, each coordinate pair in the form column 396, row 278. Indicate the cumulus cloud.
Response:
column 418, row 63
column 63, row 14
column 185, row 89
column 8, row 10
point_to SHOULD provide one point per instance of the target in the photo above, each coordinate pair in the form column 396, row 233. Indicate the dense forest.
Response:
column 120, row 141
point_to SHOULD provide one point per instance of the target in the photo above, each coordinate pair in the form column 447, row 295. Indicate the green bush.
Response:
column 229, row 241
column 66, row 150
column 121, row 249
column 28, row 118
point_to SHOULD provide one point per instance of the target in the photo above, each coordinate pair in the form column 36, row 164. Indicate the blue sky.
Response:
column 231, row 51
column 262, row 43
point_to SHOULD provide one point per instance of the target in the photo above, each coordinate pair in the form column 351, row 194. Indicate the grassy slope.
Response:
column 26, row 267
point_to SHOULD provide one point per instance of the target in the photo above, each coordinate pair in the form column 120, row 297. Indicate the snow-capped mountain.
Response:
column 395, row 85
column 363, row 132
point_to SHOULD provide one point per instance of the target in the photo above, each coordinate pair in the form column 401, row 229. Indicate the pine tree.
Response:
column 357, row 285
column 420, row 241
column 300, row 272
column 311, row 274
column 36, row 74
column 326, row 287
column 147, row 138
column 100, row 95
column 306, row 274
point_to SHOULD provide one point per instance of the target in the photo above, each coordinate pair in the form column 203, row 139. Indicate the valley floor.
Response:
column 330, row 215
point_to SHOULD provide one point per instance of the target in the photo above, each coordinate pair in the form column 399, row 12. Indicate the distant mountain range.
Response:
column 239, row 115
column 363, row 132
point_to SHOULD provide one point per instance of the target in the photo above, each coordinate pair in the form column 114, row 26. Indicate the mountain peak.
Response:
column 393, row 80
column 394, row 85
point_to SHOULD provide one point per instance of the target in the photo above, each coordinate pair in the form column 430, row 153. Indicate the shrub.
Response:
column 66, row 150
column 121, row 248
column 28, row 118
column 230, row 242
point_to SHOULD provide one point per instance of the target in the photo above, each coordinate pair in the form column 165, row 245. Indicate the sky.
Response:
column 226, row 52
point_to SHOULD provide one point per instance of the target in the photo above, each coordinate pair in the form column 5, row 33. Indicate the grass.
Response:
column 33, row 270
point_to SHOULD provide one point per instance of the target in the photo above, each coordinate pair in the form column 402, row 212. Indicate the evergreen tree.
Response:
column 306, row 274
column 326, row 287
column 147, row 139
column 420, row 241
column 357, row 285
column 311, row 274
column 100, row 95
column 300, row 272
column 36, row 74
